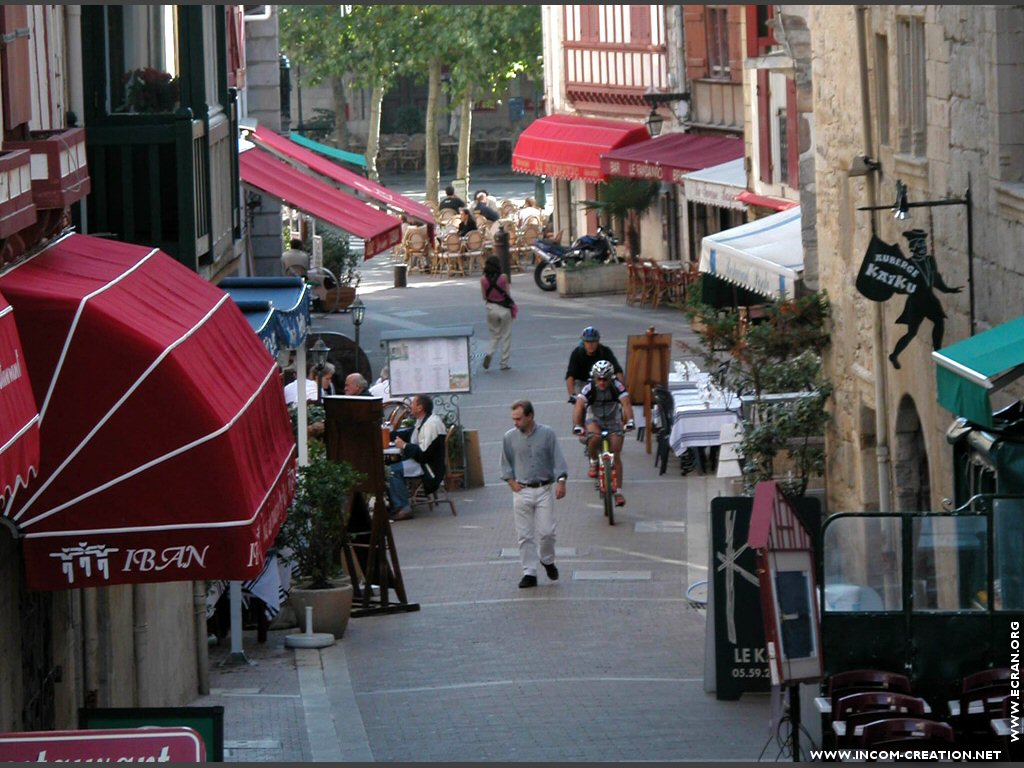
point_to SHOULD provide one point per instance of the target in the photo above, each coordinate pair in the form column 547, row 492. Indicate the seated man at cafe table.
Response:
column 450, row 200
column 423, row 456
column 481, row 206
column 356, row 386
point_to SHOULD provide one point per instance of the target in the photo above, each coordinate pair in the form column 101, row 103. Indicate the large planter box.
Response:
column 607, row 278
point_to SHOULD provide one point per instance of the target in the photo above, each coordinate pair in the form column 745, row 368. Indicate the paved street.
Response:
column 606, row 664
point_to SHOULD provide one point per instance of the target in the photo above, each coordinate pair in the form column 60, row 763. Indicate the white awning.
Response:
column 717, row 185
column 765, row 256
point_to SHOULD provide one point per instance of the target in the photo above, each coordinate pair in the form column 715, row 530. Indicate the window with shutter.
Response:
column 14, row 71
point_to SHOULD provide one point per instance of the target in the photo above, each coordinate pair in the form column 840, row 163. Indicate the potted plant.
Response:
column 342, row 263
column 315, row 531
column 148, row 89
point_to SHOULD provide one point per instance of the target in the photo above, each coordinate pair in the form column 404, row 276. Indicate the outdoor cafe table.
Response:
column 699, row 414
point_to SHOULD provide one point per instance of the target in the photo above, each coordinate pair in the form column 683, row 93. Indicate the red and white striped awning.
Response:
column 166, row 451
column 19, row 418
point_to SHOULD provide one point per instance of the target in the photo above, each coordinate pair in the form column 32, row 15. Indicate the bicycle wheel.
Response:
column 608, row 488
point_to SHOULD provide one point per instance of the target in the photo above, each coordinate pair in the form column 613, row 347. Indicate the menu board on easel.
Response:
column 430, row 362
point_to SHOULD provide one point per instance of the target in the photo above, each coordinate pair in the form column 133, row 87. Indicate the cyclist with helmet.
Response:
column 589, row 351
column 604, row 405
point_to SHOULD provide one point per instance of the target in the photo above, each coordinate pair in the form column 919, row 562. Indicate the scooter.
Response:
column 599, row 247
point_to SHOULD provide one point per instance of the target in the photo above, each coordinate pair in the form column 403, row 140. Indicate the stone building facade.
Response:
column 943, row 114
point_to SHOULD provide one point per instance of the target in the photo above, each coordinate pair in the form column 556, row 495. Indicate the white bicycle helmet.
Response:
column 602, row 370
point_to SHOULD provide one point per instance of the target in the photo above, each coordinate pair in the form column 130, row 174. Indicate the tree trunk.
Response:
column 465, row 136
column 373, row 132
column 340, row 123
column 432, row 161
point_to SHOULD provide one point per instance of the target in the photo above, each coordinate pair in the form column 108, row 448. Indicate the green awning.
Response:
column 338, row 154
column 970, row 370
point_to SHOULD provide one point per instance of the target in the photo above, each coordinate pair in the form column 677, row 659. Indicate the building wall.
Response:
column 263, row 103
column 973, row 55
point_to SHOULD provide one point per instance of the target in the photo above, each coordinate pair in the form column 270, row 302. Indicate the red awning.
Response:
column 668, row 157
column 569, row 147
column 262, row 170
column 19, row 418
column 166, row 449
column 773, row 203
column 277, row 143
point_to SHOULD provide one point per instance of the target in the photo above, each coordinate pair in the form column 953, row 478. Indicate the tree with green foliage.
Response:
column 366, row 44
column 625, row 201
column 780, row 355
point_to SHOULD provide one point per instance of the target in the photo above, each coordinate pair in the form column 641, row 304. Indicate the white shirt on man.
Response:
column 291, row 391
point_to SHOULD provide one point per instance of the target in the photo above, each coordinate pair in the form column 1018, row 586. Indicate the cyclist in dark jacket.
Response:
column 581, row 361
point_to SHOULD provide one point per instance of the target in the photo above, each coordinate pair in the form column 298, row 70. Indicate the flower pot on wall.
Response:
column 332, row 607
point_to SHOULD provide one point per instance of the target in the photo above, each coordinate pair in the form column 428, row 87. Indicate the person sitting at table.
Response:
column 466, row 222
column 529, row 210
column 295, row 261
column 450, row 200
column 481, row 206
column 422, row 456
column 489, row 199
column 291, row 390
column 382, row 386
column 355, row 385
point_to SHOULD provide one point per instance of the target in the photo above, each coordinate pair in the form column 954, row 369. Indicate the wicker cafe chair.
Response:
column 474, row 249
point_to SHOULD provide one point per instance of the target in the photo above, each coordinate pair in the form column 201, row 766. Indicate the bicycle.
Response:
column 607, row 481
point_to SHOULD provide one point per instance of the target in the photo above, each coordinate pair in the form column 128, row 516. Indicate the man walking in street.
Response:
column 531, row 462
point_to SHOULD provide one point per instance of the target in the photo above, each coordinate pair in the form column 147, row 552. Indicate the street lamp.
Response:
column 320, row 351
column 358, row 314
column 654, row 120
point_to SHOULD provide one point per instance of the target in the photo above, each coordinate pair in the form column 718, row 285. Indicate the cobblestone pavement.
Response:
column 606, row 664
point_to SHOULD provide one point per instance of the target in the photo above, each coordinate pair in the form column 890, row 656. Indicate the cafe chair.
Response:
column 858, row 709
column 994, row 676
column 410, row 157
column 978, row 708
column 450, row 256
column 474, row 249
column 911, row 732
column 418, row 495
column 856, row 680
column 396, row 411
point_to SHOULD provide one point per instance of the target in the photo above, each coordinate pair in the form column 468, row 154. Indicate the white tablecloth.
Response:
column 700, row 415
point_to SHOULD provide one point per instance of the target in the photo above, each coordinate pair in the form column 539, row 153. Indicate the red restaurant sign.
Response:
column 124, row 745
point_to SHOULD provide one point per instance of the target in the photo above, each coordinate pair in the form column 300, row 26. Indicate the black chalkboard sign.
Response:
column 741, row 662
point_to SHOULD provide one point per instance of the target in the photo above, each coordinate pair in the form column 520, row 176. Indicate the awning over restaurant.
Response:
column 277, row 308
column 669, row 157
column 260, row 169
column 765, row 256
column 289, row 149
column 717, row 185
column 19, row 417
column 328, row 151
column 763, row 201
column 570, row 147
column 969, row 371
column 166, row 449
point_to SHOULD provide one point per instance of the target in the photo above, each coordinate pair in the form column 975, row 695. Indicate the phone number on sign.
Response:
column 750, row 672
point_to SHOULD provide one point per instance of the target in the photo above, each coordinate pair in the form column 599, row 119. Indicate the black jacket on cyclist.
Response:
column 580, row 362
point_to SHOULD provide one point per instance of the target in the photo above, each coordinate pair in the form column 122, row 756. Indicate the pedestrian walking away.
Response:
column 534, row 468
column 499, row 303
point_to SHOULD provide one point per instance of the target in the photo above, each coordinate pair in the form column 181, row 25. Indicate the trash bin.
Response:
column 401, row 272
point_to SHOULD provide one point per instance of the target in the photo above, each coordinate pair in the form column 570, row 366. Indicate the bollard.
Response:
column 501, row 251
column 401, row 272
column 309, row 620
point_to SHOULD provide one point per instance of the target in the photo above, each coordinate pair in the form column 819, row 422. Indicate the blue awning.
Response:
column 277, row 308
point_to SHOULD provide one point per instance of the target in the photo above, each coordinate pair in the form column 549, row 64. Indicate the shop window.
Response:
column 863, row 564
column 950, row 556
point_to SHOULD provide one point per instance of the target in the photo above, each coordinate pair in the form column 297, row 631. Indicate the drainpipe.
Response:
column 879, row 360
column 141, row 635
column 73, row 67
column 202, row 638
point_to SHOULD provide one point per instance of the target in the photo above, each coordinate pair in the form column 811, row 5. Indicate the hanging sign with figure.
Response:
column 885, row 271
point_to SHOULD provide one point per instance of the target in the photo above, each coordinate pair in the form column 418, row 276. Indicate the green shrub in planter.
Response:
column 316, row 529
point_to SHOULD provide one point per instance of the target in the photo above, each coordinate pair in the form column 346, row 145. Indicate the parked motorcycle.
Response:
column 599, row 247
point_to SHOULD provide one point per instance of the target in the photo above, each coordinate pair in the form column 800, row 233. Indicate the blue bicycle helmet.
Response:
column 590, row 333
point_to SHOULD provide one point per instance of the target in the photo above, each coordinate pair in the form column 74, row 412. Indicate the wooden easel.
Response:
column 352, row 433
column 647, row 360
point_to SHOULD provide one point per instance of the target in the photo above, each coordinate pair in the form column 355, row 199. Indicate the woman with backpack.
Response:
column 500, row 311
